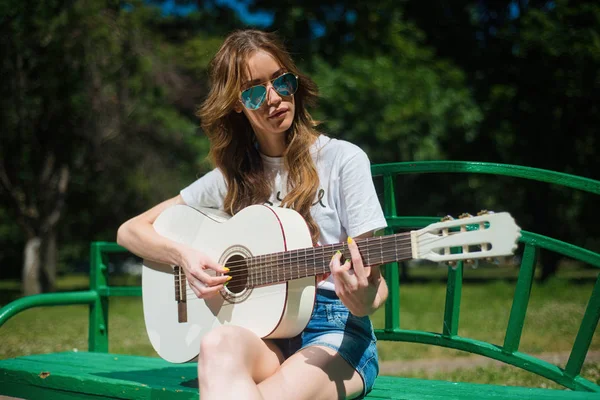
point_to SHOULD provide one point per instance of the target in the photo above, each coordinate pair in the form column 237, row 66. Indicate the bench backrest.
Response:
column 448, row 337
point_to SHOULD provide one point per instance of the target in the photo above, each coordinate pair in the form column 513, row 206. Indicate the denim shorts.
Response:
column 332, row 325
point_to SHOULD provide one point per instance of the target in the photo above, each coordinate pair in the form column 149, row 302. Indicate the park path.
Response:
column 432, row 365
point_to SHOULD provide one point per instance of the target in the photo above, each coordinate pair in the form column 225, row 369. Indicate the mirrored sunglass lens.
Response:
column 286, row 84
column 254, row 97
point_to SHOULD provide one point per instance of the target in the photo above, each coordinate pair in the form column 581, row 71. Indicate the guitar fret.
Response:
column 297, row 264
column 265, row 262
column 264, row 274
column 249, row 266
column 279, row 272
column 284, row 269
column 256, row 269
column 287, row 266
column 396, row 247
column 291, row 269
column 277, row 263
column 305, row 262
column 295, row 272
column 260, row 274
column 260, row 270
column 315, row 266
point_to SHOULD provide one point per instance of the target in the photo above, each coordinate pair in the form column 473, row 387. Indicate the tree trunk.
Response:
column 49, row 257
column 31, row 267
column 39, row 269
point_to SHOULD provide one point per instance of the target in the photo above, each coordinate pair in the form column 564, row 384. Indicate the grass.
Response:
column 553, row 316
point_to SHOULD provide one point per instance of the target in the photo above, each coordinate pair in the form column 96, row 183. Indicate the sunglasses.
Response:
column 285, row 85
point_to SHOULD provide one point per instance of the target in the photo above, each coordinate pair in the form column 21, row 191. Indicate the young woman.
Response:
column 267, row 151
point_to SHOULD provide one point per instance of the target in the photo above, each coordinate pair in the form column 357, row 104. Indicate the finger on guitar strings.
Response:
column 210, row 280
column 343, row 275
column 336, row 266
column 216, row 266
column 204, row 292
column 358, row 266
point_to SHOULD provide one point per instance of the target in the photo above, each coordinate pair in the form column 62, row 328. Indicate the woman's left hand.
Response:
column 355, row 284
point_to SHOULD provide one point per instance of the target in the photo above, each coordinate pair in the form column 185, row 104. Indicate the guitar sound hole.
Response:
column 239, row 274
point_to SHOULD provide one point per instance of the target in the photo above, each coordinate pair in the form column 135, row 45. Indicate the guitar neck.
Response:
column 295, row 264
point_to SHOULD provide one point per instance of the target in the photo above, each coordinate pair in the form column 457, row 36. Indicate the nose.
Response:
column 273, row 98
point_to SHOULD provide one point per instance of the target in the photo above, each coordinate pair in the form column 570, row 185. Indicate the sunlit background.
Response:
column 97, row 123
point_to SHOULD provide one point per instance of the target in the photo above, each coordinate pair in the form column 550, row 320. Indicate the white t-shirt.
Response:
column 346, row 203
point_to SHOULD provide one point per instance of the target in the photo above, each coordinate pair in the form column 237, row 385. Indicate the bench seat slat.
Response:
column 413, row 389
column 99, row 375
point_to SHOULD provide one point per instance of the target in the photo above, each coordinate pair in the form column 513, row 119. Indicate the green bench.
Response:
column 97, row 374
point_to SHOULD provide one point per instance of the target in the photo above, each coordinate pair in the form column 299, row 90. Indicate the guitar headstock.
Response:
column 485, row 236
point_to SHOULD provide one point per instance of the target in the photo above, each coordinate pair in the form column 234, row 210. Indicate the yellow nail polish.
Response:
column 350, row 240
column 347, row 260
column 228, row 278
column 226, row 269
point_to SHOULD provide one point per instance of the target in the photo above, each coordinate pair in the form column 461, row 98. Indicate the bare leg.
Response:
column 313, row 373
column 232, row 361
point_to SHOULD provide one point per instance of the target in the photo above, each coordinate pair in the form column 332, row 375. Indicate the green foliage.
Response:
column 111, row 93
column 399, row 106
column 114, row 106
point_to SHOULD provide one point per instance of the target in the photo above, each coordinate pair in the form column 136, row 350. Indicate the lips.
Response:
column 278, row 113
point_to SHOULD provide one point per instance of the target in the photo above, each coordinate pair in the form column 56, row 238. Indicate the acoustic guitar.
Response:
column 273, row 266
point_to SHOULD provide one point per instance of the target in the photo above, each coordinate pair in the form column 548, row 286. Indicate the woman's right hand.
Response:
column 195, row 265
column 139, row 236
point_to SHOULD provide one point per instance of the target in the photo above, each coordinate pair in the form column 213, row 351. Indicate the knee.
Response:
column 219, row 348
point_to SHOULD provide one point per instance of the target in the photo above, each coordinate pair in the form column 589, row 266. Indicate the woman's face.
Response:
column 275, row 115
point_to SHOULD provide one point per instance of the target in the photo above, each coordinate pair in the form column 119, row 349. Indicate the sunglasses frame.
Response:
column 264, row 84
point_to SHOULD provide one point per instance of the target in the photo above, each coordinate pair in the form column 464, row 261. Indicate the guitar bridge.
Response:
column 180, row 293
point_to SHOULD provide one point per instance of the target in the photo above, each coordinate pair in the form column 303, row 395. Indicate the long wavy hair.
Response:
column 233, row 143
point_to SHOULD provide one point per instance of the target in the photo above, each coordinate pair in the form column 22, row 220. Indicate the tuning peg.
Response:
column 470, row 261
column 484, row 212
column 451, row 264
column 464, row 215
column 447, row 218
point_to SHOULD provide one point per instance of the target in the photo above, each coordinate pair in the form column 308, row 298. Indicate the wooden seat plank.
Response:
column 77, row 375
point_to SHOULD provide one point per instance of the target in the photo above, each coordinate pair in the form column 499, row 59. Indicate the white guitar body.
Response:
column 274, row 311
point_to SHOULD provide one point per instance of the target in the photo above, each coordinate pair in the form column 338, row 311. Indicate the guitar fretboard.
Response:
column 295, row 264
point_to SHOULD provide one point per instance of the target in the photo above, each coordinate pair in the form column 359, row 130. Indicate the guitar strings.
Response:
column 263, row 268
column 268, row 261
column 296, row 254
column 266, row 272
column 264, row 282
